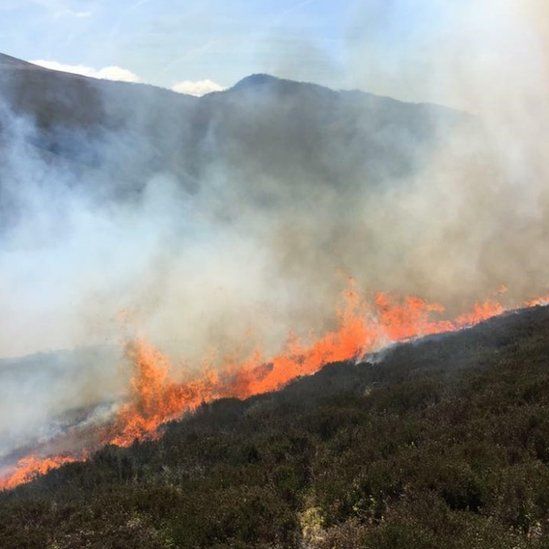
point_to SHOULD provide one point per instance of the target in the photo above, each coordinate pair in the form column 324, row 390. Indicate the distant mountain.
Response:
column 262, row 128
column 55, row 98
column 441, row 442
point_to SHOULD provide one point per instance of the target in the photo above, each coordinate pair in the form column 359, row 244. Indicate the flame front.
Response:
column 29, row 467
column 155, row 397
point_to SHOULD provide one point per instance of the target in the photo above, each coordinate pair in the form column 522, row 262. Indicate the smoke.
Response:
column 477, row 213
column 214, row 225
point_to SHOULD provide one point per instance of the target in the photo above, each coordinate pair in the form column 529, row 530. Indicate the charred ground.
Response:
column 439, row 443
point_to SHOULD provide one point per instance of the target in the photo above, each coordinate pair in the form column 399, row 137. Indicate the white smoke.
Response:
column 249, row 228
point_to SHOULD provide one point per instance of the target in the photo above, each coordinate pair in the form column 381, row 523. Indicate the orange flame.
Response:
column 156, row 398
column 538, row 301
column 29, row 467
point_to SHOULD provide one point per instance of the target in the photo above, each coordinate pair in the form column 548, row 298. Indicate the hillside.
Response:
column 262, row 129
column 441, row 442
column 81, row 160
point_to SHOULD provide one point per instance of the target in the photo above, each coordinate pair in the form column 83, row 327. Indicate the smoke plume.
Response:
column 219, row 224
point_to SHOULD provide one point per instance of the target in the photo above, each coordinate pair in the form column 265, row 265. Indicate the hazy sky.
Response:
column 168, row 41
column 415, row 50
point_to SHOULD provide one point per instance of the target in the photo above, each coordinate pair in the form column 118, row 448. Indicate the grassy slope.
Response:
column 443, row 443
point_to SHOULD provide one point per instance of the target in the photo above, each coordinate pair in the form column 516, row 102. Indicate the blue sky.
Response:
column 166, row 41
column 444, row 51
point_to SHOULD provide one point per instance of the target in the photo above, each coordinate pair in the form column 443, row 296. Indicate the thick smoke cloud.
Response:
column 479, row 209
column 221, row 223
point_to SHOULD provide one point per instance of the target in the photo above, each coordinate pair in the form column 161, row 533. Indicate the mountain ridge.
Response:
column 250, row 81
column 280, row 130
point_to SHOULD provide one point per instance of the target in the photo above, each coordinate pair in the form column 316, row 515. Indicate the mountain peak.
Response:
column 256, row 80
column 266, row 82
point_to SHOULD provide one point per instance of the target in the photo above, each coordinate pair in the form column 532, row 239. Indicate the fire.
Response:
column 31, row 466
column 538, row 301
column 156, row 397
column 480, row 312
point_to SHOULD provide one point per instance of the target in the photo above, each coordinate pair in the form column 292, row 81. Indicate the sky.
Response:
column 414, row 50
column 167, row 42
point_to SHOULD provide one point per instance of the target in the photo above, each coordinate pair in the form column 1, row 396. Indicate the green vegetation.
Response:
column 443, row 443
